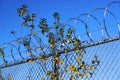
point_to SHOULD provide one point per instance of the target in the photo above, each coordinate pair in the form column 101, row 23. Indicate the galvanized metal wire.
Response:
column 15, row 64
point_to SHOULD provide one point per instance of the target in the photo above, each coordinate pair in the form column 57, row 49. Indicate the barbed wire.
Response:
column 18, row 52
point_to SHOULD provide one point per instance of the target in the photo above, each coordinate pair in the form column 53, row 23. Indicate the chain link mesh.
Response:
column 40, row 64
column 108, row 69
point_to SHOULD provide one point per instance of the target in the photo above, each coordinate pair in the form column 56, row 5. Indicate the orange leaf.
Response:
column 42, row 79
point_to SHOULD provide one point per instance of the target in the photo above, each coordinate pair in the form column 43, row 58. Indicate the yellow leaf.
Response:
column 81, row 78
column 91, row 68
column 80, row 51
column 82, row 56
column 76, row 48
column 61, row 61
column 81, row 65
column 53, row 76
column 76, row 71
column 84, row 69
column 65, row 50
column 10, row 76
column 41, row 58
column 78, row 59
column 72, row 67
column 72, row 79
column 86, row 74
column 52, row 45
column 72, row 75
column 94, row 69
column 56, row 58
column 48, row 72
column 65, row 70
column 30, row 60
column 42, row 79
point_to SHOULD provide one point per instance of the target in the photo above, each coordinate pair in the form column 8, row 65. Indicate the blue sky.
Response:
column 9, row 19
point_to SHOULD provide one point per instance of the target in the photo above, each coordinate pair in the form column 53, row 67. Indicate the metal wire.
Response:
column 16, row 65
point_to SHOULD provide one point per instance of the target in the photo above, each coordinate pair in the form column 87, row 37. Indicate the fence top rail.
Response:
column 61, row 52
column 83, row 29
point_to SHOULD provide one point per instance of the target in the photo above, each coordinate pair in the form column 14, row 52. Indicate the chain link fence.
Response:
column 97, row 58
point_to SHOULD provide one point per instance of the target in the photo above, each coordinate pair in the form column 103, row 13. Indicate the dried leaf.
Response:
column 91, row 68
column 72, row 79
column 77, row 42
column 72, row 67
column 41, row 58
column 78, row 59
column 42, row 79
column 86, row 74
column 69, row 32
column 65, row 50
column 30, row 60
column 94, row 69
column 49, row 72
column 82, row 56
column 81, row 78
column 65, row 70
column 77, row 48
column 61, row 61
column 53, row 76
column 52, row 45
column 76, row 71
column 10, row 77
column 56, row 58
column 81, row 65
